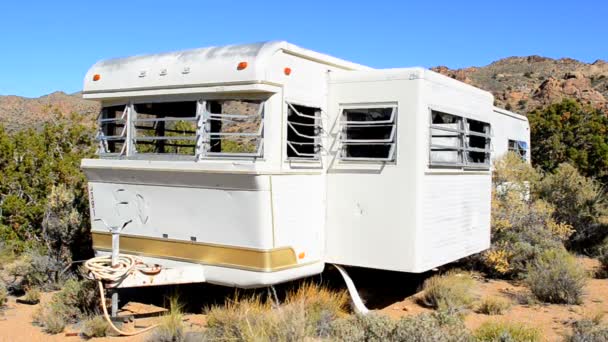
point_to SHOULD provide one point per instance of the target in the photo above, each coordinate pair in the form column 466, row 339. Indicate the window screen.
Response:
column 456, row 141
column 368, row 134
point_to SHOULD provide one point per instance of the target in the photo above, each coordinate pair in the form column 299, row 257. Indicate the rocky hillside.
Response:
column 19, row 112
column 518, row 83
column 524, row 83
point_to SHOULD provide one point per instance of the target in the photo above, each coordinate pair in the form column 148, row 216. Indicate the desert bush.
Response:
column 522, row 225
column 588, row 330
column 95, row 326
column 580, row 202
column 171, row 327
column 570, row 132
column 603, row 256
column 3, row 294
column 450, row 292
column 494, row 306
column 321, row 306
column 503, row 331
column 307, row 312
column 556, row 277
column 76, row 300
column 427, row 328
column 33, row 161
column 32, row 295
column 370, row 327
column 34, row 268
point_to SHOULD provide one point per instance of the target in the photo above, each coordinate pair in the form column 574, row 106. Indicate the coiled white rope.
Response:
column 102, row 270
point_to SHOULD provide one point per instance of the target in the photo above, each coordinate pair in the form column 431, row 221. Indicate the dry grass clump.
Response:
column 505, row 331
column 3, row 294
column 556, row 277
column 76, row 300
column 589, row 329
column 171, row 327
column 32, row 295
column 494, row 306
column 450, row 292
column 376, row 327
column 95, row 326
column 307, row 312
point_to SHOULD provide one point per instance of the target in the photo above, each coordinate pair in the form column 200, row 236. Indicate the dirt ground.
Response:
column 393, row 294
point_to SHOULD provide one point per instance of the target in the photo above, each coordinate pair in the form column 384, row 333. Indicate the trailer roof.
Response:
column 195, row 68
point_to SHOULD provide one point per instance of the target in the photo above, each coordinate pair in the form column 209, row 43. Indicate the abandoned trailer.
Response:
column 252, row 165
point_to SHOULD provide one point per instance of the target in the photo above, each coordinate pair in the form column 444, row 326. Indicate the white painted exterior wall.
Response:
column 402, row 215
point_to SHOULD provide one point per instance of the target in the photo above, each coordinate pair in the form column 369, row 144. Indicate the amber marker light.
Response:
column 287, row 71
column 96, row 77
column 301, row 255
column 241, row 66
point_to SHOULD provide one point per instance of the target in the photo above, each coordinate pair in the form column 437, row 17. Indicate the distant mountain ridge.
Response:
column 18, row 112
column 524, row 83
column 518, row 83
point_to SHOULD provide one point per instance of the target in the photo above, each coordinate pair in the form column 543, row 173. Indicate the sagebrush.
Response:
column 557, row 277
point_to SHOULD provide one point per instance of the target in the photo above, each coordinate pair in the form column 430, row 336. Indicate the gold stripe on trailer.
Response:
column 209, row 254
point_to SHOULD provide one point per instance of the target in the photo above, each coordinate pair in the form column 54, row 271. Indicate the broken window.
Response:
column 234, row 128
column 458, row 141
column 519, row 147
column 368, row 134
column 165, row 128
column 303, row 132
column 112, row 129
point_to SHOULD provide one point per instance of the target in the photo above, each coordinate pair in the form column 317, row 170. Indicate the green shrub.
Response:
column 428, row 328
column 451, row 292
column 494, row 306
column 95, row 326
column 33, row 161
column 580, row 202
column 588, row 330
column 503, row 331
column 569, row 132
column 556, row 277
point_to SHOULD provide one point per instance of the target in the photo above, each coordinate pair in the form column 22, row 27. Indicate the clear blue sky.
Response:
column 49, row 45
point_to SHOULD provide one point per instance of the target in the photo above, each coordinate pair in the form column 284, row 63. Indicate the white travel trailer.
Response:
column 251, row 165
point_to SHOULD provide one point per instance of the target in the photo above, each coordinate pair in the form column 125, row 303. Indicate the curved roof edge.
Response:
column 196, row 67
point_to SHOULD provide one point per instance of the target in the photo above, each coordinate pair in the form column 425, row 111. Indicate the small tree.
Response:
column 569, row 132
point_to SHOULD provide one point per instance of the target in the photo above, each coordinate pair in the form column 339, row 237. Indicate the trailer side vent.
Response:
column 303, row 132
column 368, row 134
column 459, row 142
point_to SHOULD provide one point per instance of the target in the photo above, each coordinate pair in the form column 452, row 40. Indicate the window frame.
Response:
column 517, row 150
column 390, row 141
column 201, row 140
column 463, row 133
column 317, row 138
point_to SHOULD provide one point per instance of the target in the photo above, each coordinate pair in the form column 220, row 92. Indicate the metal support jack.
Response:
column 352, row 290
column 115, row 230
